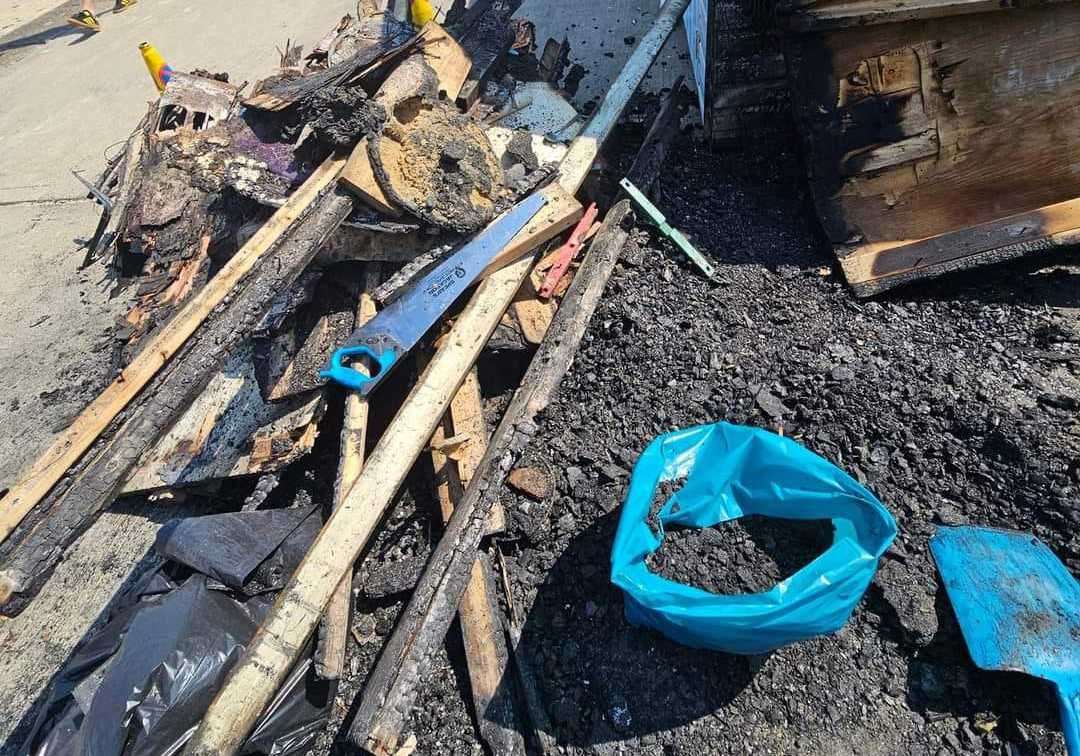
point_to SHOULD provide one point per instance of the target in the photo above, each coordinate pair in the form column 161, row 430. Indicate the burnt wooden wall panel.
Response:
column 920, row 128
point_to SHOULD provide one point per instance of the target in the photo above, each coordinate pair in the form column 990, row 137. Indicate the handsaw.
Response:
column 381, row 343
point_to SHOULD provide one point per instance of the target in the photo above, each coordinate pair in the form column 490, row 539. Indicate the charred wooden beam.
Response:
column 481, row 629
column 654, row 150
column 39, row 541
column 486, row 41
column 391, row 687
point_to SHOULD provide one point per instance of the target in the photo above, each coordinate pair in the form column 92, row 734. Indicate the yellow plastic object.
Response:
column 160, row 71
column 421, row 11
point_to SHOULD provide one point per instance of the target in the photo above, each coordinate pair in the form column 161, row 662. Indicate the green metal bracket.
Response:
column 667, row 229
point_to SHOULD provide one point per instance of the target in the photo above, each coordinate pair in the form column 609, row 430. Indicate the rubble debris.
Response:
column 1018, row 607
column 524, row 36
column 288, row 355
column 374, row 32
column 341, row 116
column 437, row 164
column 531, row 481
column 320, row 53
column 554, row 59
column 447, row 58
column 195, row 102
column 481, row 629
column 229, row 430
column 370, row 54
column 32, row 555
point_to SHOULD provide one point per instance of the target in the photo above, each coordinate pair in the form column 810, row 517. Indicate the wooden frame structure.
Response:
column 941, row 134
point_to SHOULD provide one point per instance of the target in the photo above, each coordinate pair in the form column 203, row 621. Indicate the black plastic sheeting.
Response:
column 140, row 685
column 252, row 552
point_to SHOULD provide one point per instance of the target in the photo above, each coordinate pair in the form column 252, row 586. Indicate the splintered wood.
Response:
column 48, row 469
column 938, row 142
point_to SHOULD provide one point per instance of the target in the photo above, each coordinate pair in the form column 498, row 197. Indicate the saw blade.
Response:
column 388, row 336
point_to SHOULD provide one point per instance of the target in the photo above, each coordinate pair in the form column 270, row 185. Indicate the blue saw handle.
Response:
column 350, row 377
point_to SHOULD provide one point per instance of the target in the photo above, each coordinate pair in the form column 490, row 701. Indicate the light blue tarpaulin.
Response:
column 731, row 471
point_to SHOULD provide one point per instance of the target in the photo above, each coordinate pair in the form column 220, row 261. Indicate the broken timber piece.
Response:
column 650, row 159
column 230, row 430
column 447, row 58
column 281, row 638
column 455, row 463
column 561, row 211
column 922, row 162
column 391, row 688
column 533, row 313
column 359, row 178
column 481, row 629
column 485, row 41
column 330, row 652
column 48, row 469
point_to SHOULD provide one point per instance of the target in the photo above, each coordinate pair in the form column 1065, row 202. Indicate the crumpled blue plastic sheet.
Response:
column 731, row 471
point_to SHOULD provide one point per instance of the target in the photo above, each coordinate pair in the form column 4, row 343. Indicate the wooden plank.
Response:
column 448, row 59
column 561, row 212
column 488, row 661
column 454, row 468
column 51, row 466
column 875, row 268
column 359, row 178
column 820, row 16
column 278, row 642
column 334, row 638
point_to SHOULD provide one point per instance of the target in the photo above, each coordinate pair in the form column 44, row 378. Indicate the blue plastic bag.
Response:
column 731, row 471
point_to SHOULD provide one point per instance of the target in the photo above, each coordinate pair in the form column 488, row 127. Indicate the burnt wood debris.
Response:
column 885, row 202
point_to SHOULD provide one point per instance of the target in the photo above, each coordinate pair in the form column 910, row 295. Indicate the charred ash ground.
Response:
column 953, row 401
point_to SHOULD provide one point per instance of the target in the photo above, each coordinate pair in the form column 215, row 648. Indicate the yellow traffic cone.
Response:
column 160, row 71
column 421, row 12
